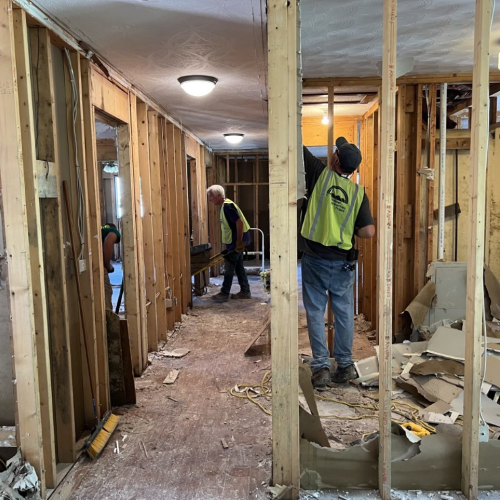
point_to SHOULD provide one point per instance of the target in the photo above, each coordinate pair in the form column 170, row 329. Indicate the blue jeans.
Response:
column 233, row 263
column 318, row 277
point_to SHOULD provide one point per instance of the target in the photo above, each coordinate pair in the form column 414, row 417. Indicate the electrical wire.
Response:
column 80, row 200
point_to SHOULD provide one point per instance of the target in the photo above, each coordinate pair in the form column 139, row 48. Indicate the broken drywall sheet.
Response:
column 447, row 343
column 421, row 304
column 490, row 409
column 429, row 388
column 171, row 377
column 492, row 370
column 404, row 353
column 305, row 383
column 435, row 366
column 493, row 288
column 176, row 353
column 310, row 428
column 489, row 465
column 438, row 408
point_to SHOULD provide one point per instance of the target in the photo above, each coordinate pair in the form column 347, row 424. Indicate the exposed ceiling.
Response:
column 153, row 42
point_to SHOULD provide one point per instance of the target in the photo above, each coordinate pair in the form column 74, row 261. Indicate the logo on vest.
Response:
column 338, row 198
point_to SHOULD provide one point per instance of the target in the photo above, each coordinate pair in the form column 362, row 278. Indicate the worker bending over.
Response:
column 236, row 236
column 336, row 210
column 110, row 236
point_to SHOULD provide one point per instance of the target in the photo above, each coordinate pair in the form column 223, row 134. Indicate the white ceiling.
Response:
column 153, row 42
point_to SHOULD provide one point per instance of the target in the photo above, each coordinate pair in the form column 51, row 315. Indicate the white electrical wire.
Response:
column 80, row 207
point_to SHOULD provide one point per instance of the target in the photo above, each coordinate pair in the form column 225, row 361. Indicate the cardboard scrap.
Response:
column 171, row 377
column 310, row 428
column 421, row 304
column 493, row 287
column 176, row 353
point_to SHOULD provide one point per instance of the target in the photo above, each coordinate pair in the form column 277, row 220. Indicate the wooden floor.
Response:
column 181, row 426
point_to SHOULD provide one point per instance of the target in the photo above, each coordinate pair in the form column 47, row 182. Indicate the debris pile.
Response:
column 19, row 481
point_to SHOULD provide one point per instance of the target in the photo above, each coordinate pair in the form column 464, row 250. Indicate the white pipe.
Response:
column 442, row 170
column 262, row 267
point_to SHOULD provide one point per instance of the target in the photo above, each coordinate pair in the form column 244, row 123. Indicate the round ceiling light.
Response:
column 234, row 138
column 197, row 85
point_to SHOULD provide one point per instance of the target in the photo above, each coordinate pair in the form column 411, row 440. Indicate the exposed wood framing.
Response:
column 159, row 246
column 106, row 150
column 432, row 164
column 186, row 267
column 475, row 261
column 385, row 241
column 331, row 141
column 174, row 247
column 27, row 391
column 147, row 223
column 284, row 112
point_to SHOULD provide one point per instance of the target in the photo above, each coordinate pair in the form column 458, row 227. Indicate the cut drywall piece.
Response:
column 420, row 305
column 492, row 370
column 310, row 428
column 430, row 388
column 493, row 288
column 437, row 408
column 447, row 343
column 493, row 347
column 171, row 377
column 307, row 388
column 405, row 352
column 490, row 409
column 176, row 353
column 434, row 366
column 367, row 366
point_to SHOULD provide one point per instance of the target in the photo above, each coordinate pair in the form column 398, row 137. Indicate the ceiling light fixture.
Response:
column 234, row 138
column 325, row 120
column 197, row 85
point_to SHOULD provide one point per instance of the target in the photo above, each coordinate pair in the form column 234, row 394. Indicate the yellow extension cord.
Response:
column 263, row 390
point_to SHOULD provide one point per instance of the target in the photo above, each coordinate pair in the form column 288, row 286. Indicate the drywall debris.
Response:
column 176, row 353
column 171, row 377
column 490, row 409
column 19, row 481
column 435, row 366
column 421, row 304
column 447, row 343
column 225, row 446
column 493, row 287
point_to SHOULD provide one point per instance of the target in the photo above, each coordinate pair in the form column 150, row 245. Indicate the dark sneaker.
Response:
column 344, row 374
column 241, row 295
column 321, row 379
column 220, row 297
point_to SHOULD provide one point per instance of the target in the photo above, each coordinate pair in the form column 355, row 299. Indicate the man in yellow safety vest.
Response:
column 236, row 236
column 336, row 210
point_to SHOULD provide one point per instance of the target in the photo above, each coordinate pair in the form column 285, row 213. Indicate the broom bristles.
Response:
column 102, row 437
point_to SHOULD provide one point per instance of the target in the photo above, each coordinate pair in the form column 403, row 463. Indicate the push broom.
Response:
column 104, row 427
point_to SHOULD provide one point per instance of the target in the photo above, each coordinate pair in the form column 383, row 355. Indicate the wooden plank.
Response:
column 475, row 261
column 129, row 238
column 135, row 174
column 97, row 341
column 385, row 242
column 174, row 248
column 23, row 332
column 331, row 141
column 493, row 206
column 431, row 165
column 84, row 411
column 147, row 222
column 186, row 270
column 283, row 92
column 35, row 232
column 202, row 197
column 368, row 261
column 165, row 218
column 374, row 206
column 154, row 158
column 109, row 97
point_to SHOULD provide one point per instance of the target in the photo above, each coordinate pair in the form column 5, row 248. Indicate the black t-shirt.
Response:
column 314, row 167
column 105, row 230
column 232, row 216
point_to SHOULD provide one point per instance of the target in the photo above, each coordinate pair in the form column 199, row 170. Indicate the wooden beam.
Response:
column 135, row 174
column 77, row 162
column 174, row 247
column 385, row 242
column 154, row 158
column 431, row 164
column 186, row 269
column 284, row 112
column 331, row 141
column 147, row 223
column 475, row 261
column 109, row 98
column 97, row 340
column 15, row 217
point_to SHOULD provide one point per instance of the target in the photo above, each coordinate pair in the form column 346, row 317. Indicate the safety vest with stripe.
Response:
column 332, row 210
column 227, row 234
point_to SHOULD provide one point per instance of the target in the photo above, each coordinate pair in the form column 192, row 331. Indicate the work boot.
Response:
column 220, row 297
column 344, row 374
column 321, row 379
column 241, row 295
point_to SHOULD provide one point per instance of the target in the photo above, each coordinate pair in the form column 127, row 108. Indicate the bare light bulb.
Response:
column 325, row 120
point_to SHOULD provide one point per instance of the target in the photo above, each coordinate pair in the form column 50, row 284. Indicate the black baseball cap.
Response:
column 349, row 155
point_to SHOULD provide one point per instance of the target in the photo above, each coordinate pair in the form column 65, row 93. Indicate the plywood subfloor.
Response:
column 182, row 425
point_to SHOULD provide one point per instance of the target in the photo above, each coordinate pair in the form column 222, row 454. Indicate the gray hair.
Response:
column 216, row 190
